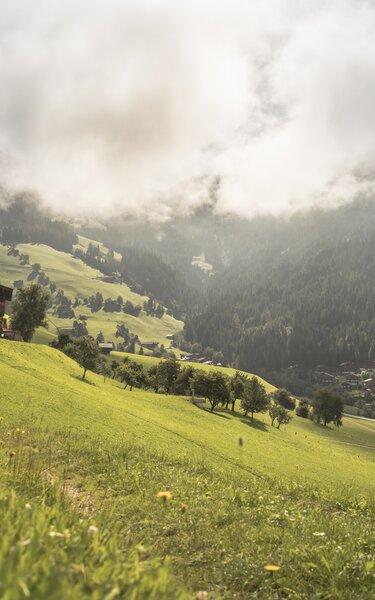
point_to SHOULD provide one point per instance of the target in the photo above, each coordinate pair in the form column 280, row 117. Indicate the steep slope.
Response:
column 91, row 455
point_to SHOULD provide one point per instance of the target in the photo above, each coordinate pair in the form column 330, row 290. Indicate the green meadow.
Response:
column 79, row 281
column 107, row 493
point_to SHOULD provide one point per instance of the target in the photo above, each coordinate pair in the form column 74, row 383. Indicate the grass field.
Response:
column 80, row 281
column 82, row 464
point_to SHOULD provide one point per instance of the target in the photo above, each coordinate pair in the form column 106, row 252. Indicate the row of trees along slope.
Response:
column 167, row 376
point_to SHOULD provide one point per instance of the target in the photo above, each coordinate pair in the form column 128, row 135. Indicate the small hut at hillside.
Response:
column 6, row 294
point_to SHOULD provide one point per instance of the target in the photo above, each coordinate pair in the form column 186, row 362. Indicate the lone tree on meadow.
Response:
column 327, row 406
column 29, row 310
column 86, row 353
column 255, row 398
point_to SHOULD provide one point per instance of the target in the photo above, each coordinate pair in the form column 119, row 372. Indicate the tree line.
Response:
column 168, row 377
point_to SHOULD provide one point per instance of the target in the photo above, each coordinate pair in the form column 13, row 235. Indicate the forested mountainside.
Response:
column 304, row 295
column 317, row 309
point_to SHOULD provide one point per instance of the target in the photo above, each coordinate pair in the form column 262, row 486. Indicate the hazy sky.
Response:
column 139, row 103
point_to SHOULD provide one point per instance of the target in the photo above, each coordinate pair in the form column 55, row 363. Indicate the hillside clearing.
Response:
column 81, row 281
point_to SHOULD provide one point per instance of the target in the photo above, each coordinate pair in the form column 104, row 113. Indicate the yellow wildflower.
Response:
column 164, row 496
column 272, row 568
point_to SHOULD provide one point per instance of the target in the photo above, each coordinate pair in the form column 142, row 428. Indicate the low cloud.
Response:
column 122, row 105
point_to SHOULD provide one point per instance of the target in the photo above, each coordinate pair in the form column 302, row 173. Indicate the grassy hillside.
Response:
column 86, row 461
column 79, row 281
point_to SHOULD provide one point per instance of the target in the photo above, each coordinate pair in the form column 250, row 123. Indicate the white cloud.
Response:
column 120, row 103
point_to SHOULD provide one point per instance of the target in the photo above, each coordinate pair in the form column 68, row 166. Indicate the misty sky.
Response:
column 116, row 103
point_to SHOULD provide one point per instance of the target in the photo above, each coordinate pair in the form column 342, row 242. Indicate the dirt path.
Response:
column 351, row 444
column 80, row 498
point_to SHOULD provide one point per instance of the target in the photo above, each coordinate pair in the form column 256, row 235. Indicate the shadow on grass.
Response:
column 79, row 378
column 327, row 427
column 255, row 424
column 216, row 413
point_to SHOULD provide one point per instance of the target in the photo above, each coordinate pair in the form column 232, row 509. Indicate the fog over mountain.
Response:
column 140, row 105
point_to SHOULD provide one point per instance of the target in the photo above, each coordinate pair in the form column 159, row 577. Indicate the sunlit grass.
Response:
column 123, row 493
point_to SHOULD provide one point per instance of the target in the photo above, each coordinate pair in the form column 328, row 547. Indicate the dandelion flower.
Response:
column 93, row 530
column 55, row 534
column 164, row 496
column 184, row 507
column 25, row 542
column 272, row 568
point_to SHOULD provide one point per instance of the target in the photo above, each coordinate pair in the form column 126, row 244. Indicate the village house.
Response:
column 6, row 294
column 369, row 384
column 106, row 347
column 346, row 367
column 324, row 378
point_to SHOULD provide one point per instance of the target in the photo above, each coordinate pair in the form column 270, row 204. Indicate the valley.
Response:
column 116, row 491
